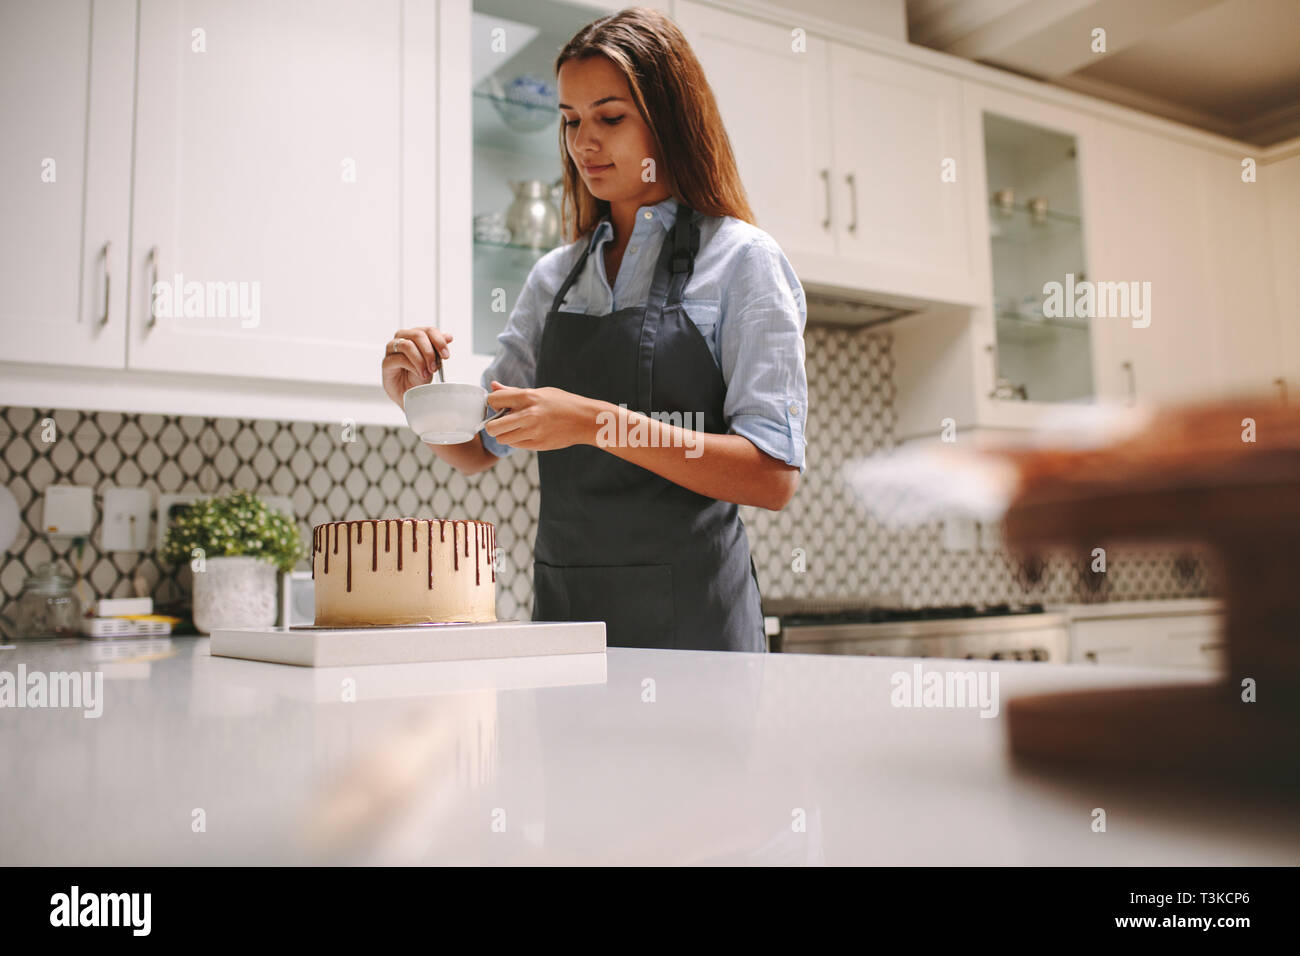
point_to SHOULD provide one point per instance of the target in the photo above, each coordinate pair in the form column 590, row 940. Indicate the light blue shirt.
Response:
column 743, row 296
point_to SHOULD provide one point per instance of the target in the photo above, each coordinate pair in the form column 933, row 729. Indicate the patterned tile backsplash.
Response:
column 388, row 472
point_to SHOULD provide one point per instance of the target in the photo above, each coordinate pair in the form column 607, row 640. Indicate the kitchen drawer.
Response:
column 1182, row 640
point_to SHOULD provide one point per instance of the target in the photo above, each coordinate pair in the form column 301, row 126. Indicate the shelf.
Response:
column 491, row 131
column 505, row 259
column 552, row 109
column 1018, row 329
column 1019, row 227
column 489, row 244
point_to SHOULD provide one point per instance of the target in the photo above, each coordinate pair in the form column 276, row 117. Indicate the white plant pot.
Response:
column 234, row 592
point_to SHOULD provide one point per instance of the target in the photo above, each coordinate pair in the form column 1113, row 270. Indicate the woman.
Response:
column 655, row 364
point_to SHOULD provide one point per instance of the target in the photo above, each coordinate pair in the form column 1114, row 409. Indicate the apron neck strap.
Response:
column 685, row 240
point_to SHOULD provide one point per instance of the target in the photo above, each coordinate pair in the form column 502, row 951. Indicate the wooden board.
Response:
column 1222, row 474
column 1205, row 732
column 344, row 647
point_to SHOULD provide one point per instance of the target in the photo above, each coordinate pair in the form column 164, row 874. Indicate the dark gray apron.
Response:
column 661, row 565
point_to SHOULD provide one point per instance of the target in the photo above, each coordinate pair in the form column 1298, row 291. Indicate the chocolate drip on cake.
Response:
column 484, row 542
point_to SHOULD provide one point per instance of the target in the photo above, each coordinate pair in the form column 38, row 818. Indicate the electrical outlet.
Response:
column 69, row 511
column 959, row 534
column 126, row 519
column 990, row 536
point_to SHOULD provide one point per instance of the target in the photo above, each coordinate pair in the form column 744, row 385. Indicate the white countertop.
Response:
column 203, row 760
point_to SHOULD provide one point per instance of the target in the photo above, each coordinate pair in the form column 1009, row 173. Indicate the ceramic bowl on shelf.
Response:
column 527, row 103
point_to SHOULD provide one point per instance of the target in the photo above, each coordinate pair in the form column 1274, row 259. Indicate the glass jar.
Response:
column 47, row 607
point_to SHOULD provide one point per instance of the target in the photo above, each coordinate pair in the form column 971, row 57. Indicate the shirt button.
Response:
column 794, row 409
column 631, row 248
column 649, row 215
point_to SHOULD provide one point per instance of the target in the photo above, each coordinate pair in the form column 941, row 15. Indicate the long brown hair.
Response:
column 674, row 98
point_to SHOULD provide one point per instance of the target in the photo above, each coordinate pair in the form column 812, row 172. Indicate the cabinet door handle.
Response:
column 826, row 179
column 1281, row 389
column 992, row 349
column 853, row 202
column 152, row 261
column 1132, row 382
column 108, row 281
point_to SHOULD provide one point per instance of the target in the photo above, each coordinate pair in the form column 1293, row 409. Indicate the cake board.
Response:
column 307, row 645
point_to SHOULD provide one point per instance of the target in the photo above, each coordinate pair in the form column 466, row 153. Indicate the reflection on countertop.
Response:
column 635, row 756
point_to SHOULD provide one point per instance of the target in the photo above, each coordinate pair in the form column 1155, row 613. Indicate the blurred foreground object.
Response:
column 1226, row 475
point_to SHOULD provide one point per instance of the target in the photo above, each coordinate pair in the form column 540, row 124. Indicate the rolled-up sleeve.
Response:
column 515, row 363
column 762, row 352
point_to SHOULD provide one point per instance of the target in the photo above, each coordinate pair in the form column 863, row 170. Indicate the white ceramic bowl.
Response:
column 447, row 413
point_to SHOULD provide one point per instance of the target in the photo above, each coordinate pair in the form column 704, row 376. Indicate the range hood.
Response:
column 847, row 310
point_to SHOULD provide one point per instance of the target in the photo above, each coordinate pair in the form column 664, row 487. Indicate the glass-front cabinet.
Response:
column 1015, row 354
column 517, row 142
column 1043, row 351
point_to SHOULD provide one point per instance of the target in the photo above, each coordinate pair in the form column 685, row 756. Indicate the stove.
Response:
column 883, row 627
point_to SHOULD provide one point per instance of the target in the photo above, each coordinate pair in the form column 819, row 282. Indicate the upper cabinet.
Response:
column 784, row 151
column 853, row 161
column 1036, row 246
column 501, row 155
column 67, row 78
column 1282, row 177
column 1245, row 309
column 1024, row 348
column 279, row 220
column 284, row 185
column 900, row 167
column 1182, row 224
column 506, row 97
column 235, row 203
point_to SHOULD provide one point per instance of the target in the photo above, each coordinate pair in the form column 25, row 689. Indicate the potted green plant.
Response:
column 234, row 544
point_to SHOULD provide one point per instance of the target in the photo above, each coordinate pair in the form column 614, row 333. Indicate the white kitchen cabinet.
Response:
column 1174, row 218
column 1281, row 177
column 66, row 69
column 486, row 151
column 841, row 151
column 1243, row 310
column 901, row 223
column 285, row 184
column 948, row 360
column 1178, row 633
column 775, row 105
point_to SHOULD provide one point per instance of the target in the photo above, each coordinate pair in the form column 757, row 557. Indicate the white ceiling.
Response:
column 1228, row 66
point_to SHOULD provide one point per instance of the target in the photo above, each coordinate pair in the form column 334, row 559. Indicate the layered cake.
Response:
column 389, row 571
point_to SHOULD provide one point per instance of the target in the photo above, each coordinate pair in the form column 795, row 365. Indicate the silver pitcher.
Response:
column 533, row 219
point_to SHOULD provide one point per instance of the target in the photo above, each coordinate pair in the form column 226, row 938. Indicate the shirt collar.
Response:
column 664, row 211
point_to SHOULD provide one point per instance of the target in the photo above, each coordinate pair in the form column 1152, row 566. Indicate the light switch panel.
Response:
column 126, row 519
column 69, row 511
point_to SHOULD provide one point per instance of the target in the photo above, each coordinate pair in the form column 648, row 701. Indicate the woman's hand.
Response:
column 542, row 419
column 411, row 357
